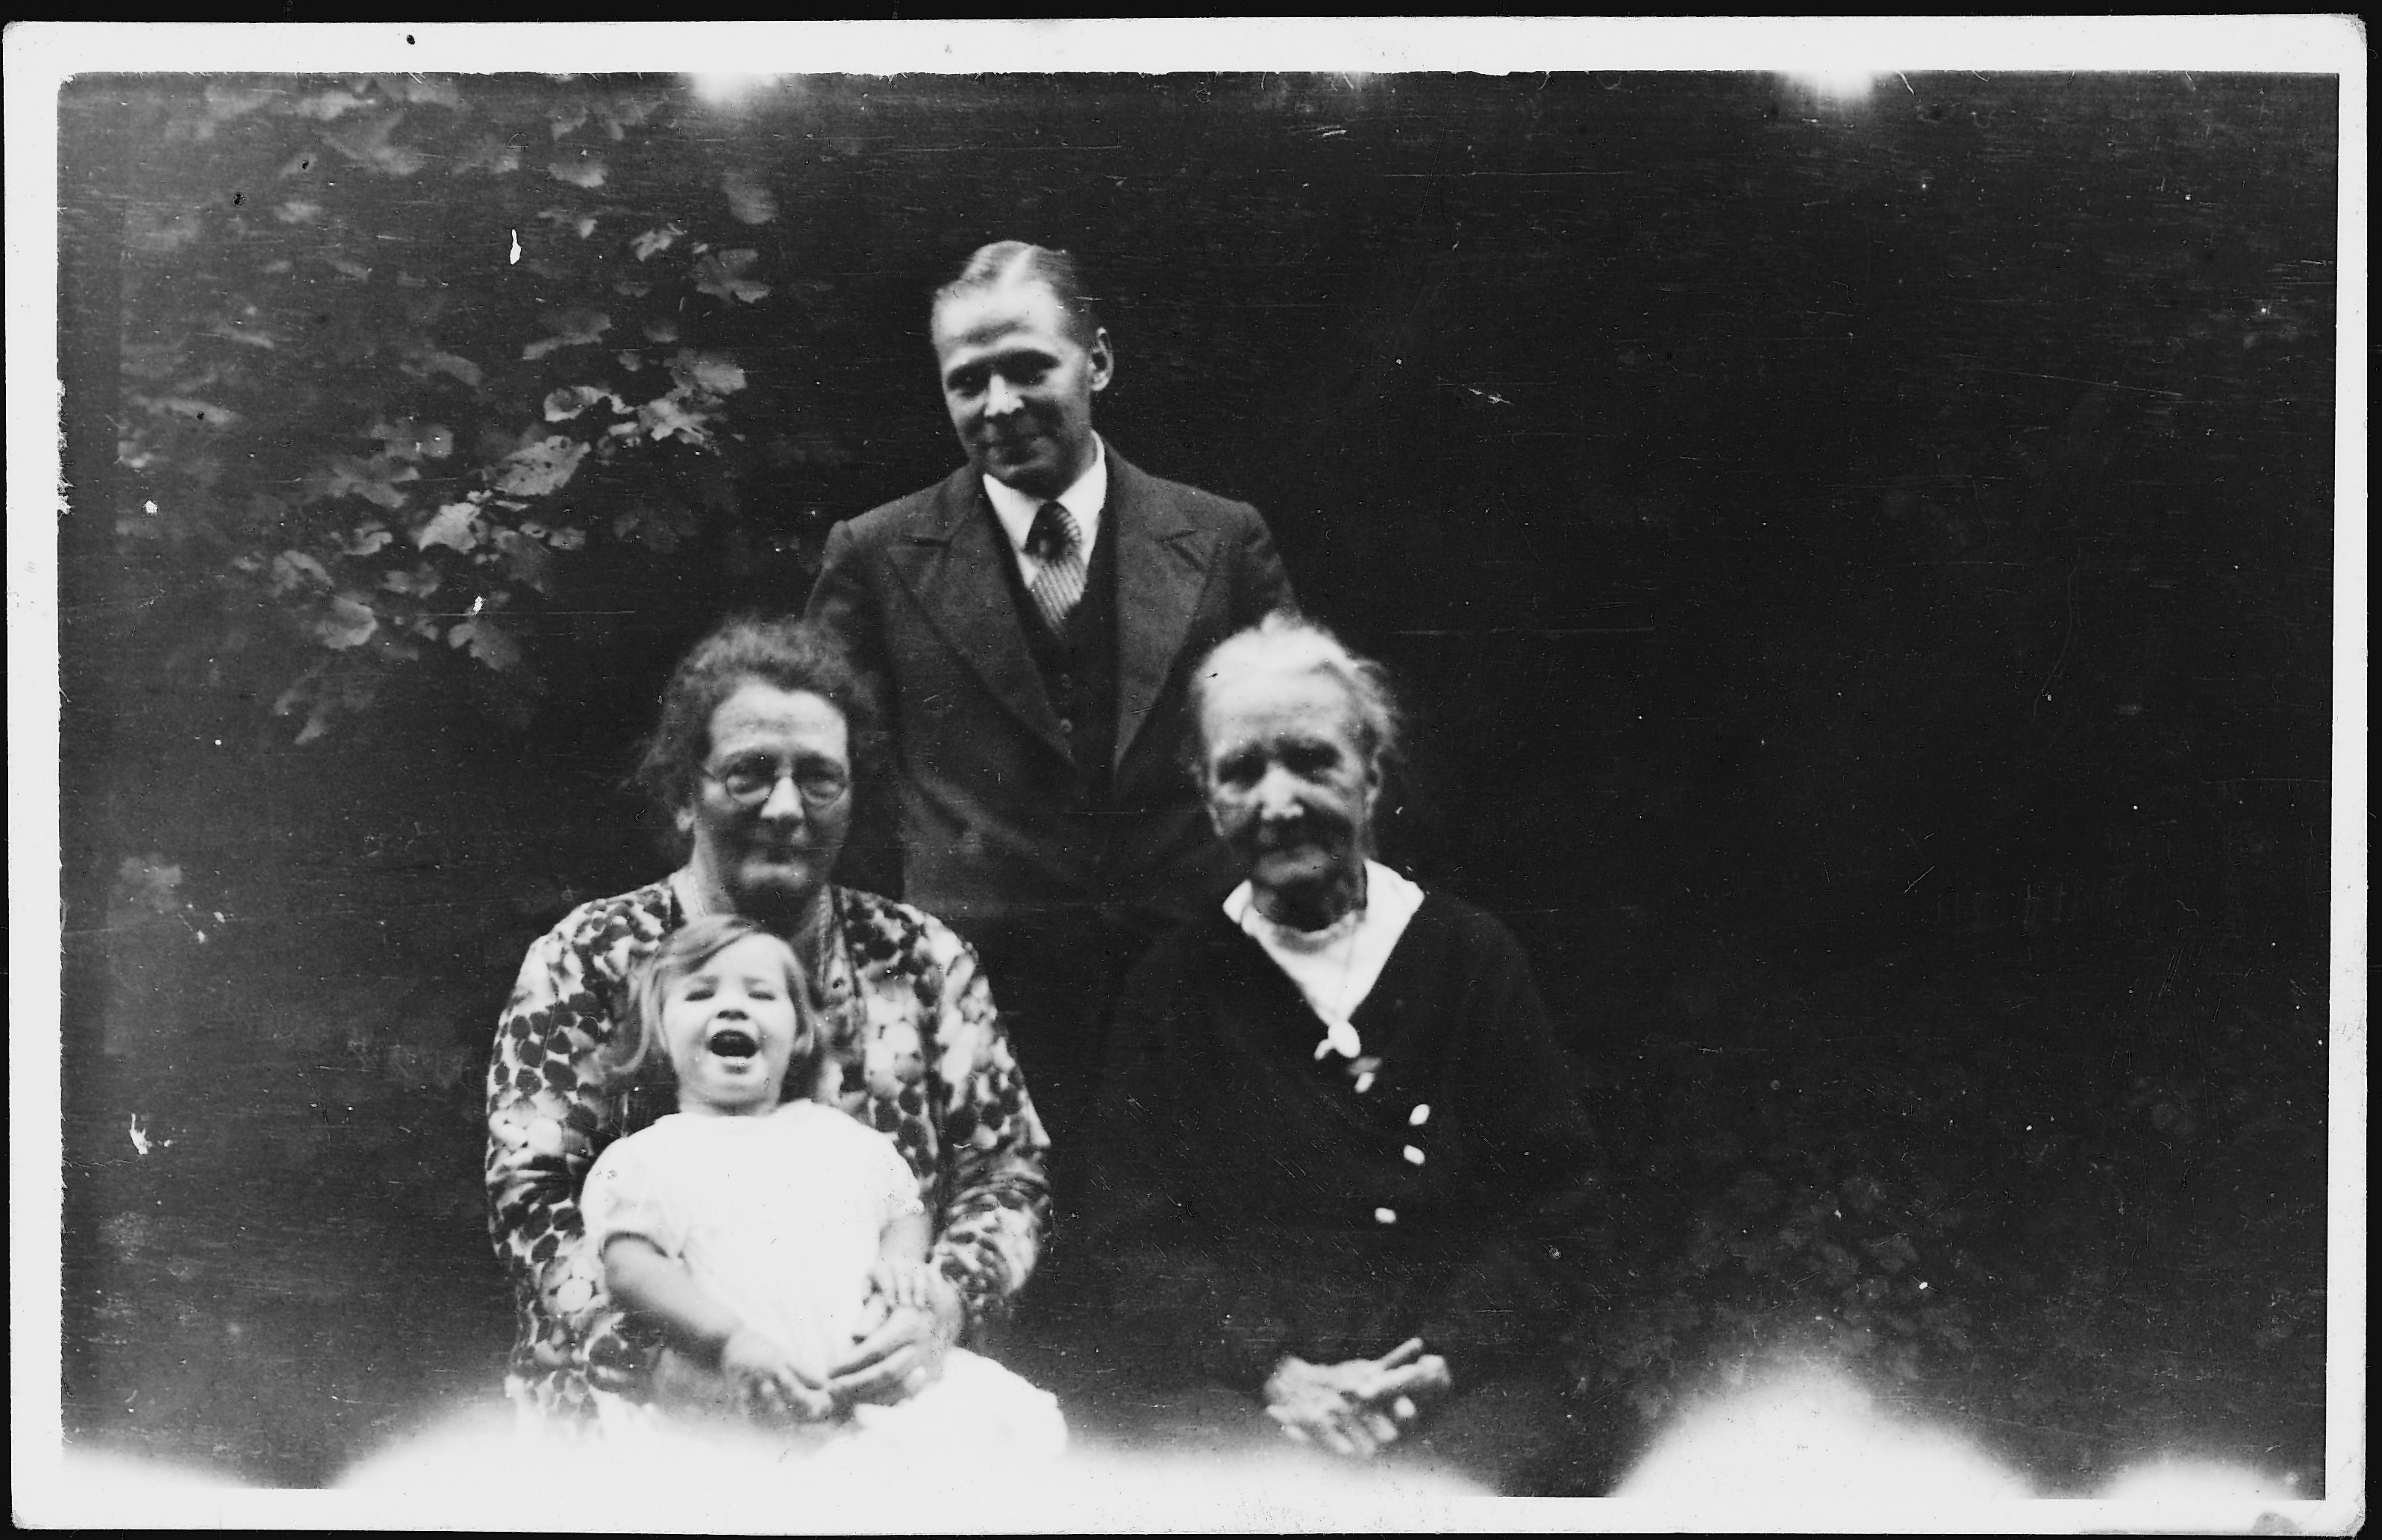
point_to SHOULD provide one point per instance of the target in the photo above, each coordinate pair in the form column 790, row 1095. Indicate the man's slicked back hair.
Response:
column 1006, row 261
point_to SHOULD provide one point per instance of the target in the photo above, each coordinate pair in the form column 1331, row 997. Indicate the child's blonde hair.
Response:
column 635, row 1053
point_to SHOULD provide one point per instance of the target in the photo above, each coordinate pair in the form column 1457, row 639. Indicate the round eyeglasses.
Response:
column 750, row 783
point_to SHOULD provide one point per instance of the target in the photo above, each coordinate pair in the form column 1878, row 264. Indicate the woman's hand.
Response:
column 769, row 1386
column 903, row 1354
column 1359, row 1407
column 901, row 1284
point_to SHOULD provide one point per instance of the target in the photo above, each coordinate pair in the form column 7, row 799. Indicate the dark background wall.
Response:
column 1791, row 520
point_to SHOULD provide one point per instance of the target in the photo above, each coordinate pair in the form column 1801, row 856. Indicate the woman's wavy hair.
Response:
column 1286, row 642
column 783, row 650
column 635, row 1057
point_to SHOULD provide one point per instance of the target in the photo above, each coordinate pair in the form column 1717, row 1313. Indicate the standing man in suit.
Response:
column 1029, row 622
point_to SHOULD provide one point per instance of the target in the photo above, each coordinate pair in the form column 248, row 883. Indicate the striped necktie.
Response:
column 1056, row 542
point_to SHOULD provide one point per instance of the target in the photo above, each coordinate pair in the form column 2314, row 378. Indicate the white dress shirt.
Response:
column 1084, row 500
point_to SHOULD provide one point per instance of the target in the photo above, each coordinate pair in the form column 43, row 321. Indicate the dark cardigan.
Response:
column 1249, row 1202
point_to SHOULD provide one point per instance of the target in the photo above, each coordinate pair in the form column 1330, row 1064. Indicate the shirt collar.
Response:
column 1085, row 499
column 1390, row 898
column 1241, row 909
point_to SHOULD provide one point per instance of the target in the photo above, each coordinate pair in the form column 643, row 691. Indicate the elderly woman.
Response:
column 1341, row 1155
column 765, row 735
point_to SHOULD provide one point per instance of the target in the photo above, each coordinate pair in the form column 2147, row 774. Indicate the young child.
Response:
column 767, row 1236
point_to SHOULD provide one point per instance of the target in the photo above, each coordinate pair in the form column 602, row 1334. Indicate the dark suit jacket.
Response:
column 991, row 826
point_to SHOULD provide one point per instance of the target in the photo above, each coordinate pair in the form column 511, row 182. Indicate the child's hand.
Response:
column 770, row 1384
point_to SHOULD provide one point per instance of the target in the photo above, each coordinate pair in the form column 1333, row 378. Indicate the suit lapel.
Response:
column 955, row 573
column 1162, row 567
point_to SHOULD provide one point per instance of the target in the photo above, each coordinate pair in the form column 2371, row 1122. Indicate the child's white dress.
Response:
column 780, row 1217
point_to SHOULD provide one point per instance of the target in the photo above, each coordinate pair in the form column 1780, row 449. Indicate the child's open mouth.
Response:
column 729, row 1043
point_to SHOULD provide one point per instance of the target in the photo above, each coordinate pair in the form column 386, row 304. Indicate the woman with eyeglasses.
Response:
column 766, row 739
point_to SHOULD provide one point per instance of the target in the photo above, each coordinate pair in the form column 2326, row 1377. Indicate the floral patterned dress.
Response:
column 913, row 1050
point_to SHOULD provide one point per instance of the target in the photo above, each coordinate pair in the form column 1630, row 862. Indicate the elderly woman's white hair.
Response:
column 1287, row 643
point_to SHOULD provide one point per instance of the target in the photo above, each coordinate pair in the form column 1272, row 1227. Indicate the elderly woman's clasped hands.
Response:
column 1358, row 1407
column 1336, row 1116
